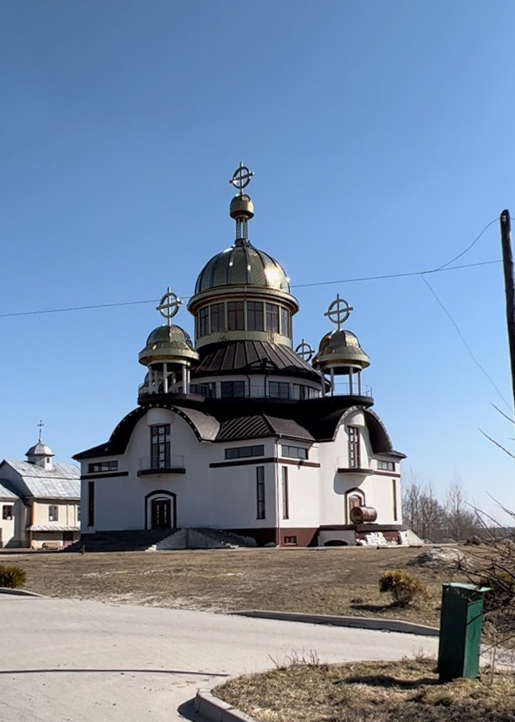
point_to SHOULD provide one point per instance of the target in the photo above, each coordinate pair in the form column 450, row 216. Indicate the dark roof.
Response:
column 252, row 357
column 308, row 420
column 261, row 426
column 244, row 427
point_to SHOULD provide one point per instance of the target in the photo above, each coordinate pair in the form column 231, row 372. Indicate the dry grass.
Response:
column 407, row 691
column 331, row 581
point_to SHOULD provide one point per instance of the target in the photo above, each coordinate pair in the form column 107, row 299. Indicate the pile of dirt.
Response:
column 441, row 557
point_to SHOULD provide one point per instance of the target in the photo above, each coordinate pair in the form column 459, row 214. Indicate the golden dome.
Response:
column 340, row 350
column 242, row 265
column 168, row 343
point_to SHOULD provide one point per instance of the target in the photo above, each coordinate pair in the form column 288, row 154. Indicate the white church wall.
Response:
column 303, row 489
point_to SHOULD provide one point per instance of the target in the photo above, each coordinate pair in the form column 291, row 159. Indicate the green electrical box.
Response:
column 460, row 630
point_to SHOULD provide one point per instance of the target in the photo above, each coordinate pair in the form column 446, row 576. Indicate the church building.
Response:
column 237, row 431
column 39, row 501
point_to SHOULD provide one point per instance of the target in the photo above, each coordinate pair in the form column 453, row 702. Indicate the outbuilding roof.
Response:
column 60, row 482
column 7, row 490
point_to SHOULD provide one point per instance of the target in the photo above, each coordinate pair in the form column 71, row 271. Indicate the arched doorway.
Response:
column 160, row 510
column 353, row 497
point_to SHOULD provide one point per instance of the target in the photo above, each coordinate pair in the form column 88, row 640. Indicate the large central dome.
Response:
column 242, row 265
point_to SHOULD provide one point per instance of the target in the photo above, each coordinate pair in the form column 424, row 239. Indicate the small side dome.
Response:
column 340, row 350
column 242, row 265
column 168, row 343
column 241, row 207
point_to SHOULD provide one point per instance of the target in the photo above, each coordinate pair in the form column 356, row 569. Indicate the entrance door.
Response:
column 161, row 514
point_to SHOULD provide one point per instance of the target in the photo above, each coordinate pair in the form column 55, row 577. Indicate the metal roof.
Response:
column 257, row 357
column 7, row 490
column 260, row 426
column 60, row 482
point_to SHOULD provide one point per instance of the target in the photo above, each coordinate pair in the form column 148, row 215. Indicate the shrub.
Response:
column 12, row 577
column 403, row 587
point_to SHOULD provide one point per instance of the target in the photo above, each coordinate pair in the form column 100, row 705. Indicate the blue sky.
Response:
column 381, row 136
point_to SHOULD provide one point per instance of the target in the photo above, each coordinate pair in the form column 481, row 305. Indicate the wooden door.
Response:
column 161, row 514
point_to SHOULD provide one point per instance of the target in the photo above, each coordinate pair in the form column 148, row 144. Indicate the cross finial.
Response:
column 241, row 177
column 40, row 425
column 338, row 311
column 169, row 305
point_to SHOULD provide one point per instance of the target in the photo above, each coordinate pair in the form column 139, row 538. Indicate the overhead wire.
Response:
column 297, row 285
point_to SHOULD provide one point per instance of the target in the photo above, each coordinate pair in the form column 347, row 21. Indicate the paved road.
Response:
column 79, row 661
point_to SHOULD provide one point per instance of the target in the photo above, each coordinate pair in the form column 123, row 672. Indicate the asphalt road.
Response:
column 81, row 661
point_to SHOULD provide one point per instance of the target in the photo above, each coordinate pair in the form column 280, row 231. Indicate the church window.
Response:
column 279, row 389
column 235, row 319
column 203, row 319
column 354, row 451
column 91, row 503
column 285, row 323
column 294, row 452
column 53, row 513
column 160, row 446
column 394, row 495
column 232, row 389
column 255, row 320
column 386, row 465
column 7, row 511
column 285, row 494
column 260, row 492
column 103, row 466
column 217, row 317
column 206, row 390
column 272, row 317
column 241, row 452
column 300, row 391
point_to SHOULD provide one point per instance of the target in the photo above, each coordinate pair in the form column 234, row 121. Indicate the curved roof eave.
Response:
column 204, row 426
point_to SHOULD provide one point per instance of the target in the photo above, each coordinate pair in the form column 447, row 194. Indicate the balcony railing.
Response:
column 295, row 392
column 342, row 463
column 171, row 465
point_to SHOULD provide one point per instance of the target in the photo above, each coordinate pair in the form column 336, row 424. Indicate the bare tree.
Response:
column 421, row 510
column 461, row 521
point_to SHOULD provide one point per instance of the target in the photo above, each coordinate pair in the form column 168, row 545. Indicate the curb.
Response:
column 384, row 625
column 216, row 710
column 19, row 592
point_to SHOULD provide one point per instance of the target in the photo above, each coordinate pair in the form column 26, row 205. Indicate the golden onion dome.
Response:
column 340, row 350
column 168, row 343
column 242, row 265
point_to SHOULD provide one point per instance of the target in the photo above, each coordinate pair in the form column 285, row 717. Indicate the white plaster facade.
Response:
column 238, row 431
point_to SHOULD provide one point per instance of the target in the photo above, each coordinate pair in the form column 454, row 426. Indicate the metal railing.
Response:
column 174, row 461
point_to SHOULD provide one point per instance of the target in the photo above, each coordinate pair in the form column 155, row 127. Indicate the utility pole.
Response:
column 509, row 287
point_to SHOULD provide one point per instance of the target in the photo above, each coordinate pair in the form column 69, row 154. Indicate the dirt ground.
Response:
column 406, row 691
column 331, row 581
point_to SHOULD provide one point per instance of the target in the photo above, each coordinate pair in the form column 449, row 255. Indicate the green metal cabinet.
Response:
column 460, row 630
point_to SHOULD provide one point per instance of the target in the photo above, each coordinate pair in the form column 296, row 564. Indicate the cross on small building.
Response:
column 40, row 425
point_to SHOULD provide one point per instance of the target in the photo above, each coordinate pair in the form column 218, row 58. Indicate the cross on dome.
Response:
column 169, row 305
column 241, row 177
column 40, row 426
column 338, row 311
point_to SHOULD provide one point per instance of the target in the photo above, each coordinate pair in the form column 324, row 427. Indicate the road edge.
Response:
column 379, row 624
column 19, row 592
column 216, row 710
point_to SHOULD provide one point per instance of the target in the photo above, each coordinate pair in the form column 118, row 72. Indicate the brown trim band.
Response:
column 258, row 460
column 387, row 473
column 105, row 475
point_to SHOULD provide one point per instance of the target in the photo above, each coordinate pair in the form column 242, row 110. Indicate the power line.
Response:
column 463, row 340
column 298, row 285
